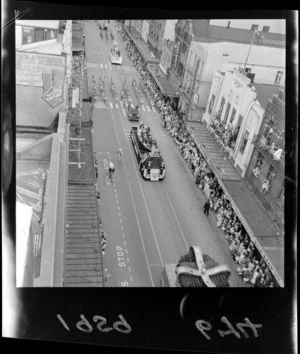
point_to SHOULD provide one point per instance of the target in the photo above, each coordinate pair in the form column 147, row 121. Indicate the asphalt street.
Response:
column 147, row 224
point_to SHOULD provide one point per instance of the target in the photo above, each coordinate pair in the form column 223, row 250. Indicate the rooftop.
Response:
column 204, row 32
column 265, row 92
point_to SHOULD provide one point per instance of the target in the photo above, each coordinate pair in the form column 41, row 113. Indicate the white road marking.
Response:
column 105, row 66
column 148, row 109
column 143, row 108
column 109, row 65
column 129, row 269
column 125, row 243
column 153, row 109
column 155, row 265
column 111, row 104
column 143, row 195
column 117, row 106
column 122, row 227
column 126, row 252
column 118, row 206
column 187, row 247
column 127, row 259
column 123, row 109
column 118, row 203
column 134, row 207
column 101, row 66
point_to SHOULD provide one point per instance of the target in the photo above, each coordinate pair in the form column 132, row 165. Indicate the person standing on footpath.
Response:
column 206, row 207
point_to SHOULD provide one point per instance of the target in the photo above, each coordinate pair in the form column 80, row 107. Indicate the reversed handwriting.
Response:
column 205, row 326
column 84, row 325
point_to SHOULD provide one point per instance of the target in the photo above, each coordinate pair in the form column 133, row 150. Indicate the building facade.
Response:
column 265, row 174
column 155, row 36
column 224, row 48
column 183, row 39
column 234, row 116
column 33, row 31
column 166, row 55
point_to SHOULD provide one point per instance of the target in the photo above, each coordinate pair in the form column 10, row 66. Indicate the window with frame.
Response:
column 278, row 77
column 180, row 70
column 244, row 142
column 27, row 35
column 227, row 112
column 258, row 164
column 280, row 195
column 232, row 115
column 211, row 104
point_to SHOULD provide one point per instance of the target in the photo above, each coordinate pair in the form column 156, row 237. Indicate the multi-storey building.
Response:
column 224, row 48
column 234, row 114
column 33, row 31
column 265, row 174
column 159, row 31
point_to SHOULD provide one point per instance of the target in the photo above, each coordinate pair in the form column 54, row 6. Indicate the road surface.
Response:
column 147, row 223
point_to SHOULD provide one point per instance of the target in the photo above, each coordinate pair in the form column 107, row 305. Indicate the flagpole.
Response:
column 250, row 48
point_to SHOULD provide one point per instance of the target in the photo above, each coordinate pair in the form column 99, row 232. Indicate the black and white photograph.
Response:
column 150, row 152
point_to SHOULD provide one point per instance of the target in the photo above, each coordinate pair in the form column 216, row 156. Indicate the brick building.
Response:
column 267, row 162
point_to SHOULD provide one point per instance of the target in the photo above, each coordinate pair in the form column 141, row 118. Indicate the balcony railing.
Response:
column 264, row 149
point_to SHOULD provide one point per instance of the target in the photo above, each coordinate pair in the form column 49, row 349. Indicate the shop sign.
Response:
column 42, row 70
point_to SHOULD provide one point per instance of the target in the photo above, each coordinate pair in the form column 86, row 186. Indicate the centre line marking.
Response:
column 129, row 269
column 125, row 243
column 187, row 247
column 127, row 259
column 130, row 190
column 105, row 66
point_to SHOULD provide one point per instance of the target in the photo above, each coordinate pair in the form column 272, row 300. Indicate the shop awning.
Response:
column 77, row 44
column 162, row 81
column 141, row 45
column 260, row 228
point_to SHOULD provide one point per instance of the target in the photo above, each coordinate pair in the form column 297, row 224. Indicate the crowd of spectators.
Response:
column 249, row 263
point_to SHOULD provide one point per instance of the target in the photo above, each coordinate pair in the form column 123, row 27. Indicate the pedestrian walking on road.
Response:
column 206, row 207
column 111, row 170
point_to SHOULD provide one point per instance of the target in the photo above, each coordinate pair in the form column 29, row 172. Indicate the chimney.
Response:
column 228, row 25
column 254, row 27
column 266, row 29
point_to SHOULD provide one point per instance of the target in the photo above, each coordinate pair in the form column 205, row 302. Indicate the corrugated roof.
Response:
column 266, row 92
column 203, row 31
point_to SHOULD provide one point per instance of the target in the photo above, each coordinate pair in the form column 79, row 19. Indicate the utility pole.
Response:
column 191, row 93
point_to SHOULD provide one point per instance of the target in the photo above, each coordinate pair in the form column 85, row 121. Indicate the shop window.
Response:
column 278, row 77
column 232, row 115
column 244, row 142
column 27, row 35
column 49, row 34
column 39, row 34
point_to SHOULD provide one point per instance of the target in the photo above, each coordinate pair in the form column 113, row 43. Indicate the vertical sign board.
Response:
column 42, row 70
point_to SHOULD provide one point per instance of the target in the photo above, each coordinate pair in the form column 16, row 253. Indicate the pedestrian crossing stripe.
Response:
column 101, row 66
column 105, row 66
column 117, row 106
column 111, row 104
column 148, row 108
column 154, row 110
column 100, row 105
column 143, row 108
